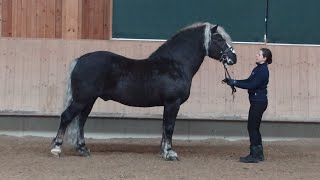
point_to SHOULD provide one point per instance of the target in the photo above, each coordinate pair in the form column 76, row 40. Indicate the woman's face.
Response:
column 259, row 57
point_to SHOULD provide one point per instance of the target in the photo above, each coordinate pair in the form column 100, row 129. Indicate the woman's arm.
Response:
column 252, row 82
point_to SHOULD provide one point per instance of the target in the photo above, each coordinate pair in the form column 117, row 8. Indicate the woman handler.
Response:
column 257, row 89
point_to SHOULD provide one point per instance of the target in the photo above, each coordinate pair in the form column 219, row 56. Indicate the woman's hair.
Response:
column 267, row 54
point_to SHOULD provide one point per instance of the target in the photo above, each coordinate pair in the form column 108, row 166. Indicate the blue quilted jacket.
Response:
column 256, row 83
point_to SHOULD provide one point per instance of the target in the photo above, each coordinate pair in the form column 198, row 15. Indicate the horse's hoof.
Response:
column 56, row 151
column 171, row 156
column 84, row 154
column 84, row 151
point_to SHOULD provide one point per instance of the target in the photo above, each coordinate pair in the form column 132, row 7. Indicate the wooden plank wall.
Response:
column 96, row 19
column 33, row 74
column 67, row 19
column 0, row 17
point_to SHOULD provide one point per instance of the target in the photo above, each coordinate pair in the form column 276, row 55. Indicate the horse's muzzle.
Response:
column 230, row 59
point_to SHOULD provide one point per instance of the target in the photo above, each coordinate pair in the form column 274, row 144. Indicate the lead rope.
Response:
column 227, row 75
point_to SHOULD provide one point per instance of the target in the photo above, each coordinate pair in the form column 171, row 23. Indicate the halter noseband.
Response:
column 224, row 54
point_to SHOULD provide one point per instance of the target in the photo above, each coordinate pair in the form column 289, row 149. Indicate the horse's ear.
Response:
column 214, row 28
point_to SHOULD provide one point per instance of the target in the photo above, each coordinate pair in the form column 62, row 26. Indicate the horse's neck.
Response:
column 188, row 56
column 195, row 68
column 190, row 60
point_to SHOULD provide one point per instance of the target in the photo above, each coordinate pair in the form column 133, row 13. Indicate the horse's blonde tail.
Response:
column 68, row 93
column 73, row 127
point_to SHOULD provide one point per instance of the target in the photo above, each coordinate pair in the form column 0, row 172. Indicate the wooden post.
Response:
column 108, row 19
column 6, row 23
column 96, row 19
column 0, row 18
column 71, row 19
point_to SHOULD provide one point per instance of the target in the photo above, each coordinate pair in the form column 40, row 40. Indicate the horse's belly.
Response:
column 138, row 101
column 147, row 93
column 138, row 97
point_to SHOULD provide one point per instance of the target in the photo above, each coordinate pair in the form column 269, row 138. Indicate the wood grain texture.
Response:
column 68, row 19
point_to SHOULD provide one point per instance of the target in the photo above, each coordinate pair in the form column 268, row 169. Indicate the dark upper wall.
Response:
column 293, row 21
column 153, row 19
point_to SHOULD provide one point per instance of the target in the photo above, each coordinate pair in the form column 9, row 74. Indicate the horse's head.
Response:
column 218, row 46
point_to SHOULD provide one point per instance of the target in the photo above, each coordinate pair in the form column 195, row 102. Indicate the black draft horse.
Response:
column 163, row 79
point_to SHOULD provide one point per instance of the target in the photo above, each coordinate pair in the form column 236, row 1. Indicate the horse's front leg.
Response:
column 169, row 119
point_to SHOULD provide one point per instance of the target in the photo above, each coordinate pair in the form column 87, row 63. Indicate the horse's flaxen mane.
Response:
column 208, row 25
column 206, row 35
column 225, row 35
column 195, row 25
column 207, row 32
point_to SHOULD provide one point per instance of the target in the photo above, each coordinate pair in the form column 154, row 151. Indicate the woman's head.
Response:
column 264, row 55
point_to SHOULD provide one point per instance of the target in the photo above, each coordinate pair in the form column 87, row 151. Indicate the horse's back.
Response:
column 100, row 63
column 101, row 58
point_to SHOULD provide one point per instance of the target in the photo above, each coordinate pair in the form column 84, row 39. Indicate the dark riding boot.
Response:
column 256, row 155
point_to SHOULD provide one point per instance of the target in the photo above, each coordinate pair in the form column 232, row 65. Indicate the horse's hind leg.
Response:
column 81, row 147
column 66, row 117
column 169, row 118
